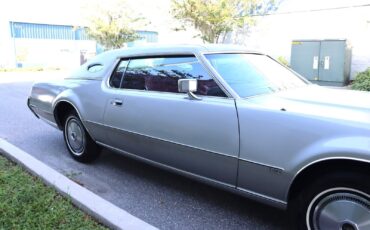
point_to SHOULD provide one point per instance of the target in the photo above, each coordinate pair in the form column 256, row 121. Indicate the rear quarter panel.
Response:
column 84, row 95
column 42, row 97
column 89, row 101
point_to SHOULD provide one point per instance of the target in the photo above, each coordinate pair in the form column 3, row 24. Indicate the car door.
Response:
column 147, row 117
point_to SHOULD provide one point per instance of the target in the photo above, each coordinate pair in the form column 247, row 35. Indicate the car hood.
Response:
column 320, row 101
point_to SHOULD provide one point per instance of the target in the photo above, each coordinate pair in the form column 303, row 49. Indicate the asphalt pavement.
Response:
column 160, row 198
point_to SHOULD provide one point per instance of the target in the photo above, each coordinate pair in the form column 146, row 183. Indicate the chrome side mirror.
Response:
column 188, row 86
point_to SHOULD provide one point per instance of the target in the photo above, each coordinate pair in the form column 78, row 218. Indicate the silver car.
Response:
column 228, row 117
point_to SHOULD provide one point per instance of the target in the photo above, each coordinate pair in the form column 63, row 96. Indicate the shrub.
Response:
column 362, row 81
column 283, row 61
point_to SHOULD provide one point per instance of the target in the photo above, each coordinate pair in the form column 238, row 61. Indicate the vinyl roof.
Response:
column 155, row 49
column 107, row 58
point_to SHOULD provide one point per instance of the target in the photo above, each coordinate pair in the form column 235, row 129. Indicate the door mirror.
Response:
column 188, row 86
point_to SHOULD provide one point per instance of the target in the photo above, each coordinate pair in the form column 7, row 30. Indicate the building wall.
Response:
column 274, row 34
column 45, row 45
column 52, row 53
column 46, row 31
column 55, row 46
column 7, row 56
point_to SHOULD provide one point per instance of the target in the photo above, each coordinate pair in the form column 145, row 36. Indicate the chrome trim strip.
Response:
column 185, row 145
column 84, row 78
column 189, row 146
column 46, row 112
column 247, row 193
column 180, row 63
column 160, row 139
column 149, row 92
column 49, row 122
column 278, row 202
column 109, row 73
column 199, row 58
column 318, row 161
column 327, row 159
column 165, row 166
column 31, row 107
column 217, row 77
column 56, row 103
column 239, row 145
column 236, row 96
column 262, row 164
column 155, row 54
column 226, row 51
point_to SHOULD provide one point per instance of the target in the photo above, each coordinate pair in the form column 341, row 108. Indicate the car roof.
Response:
column 158, row 49
column 107, row 58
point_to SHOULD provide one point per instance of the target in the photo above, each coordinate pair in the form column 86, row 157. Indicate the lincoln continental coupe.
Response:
column 228, row 117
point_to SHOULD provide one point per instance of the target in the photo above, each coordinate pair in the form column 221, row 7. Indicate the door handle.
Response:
column 117, row 102
column 322, row 64
column 315, row 64
column 327, row 62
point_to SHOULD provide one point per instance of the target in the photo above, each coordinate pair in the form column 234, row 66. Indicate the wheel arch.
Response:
column 61, row 110
column 312, row 171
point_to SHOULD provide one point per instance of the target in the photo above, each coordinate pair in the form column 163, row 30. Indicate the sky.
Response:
column 298, row 5
column 59, row 12
column 69, row 11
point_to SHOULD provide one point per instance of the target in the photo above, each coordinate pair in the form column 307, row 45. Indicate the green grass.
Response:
column 26, row 203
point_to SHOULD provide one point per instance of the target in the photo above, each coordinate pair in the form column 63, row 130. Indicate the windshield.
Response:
column 253, row 74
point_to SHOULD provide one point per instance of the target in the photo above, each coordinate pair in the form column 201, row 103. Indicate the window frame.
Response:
column 248, row 53
column 114, row 71
column 206, row 69
column 234, row 94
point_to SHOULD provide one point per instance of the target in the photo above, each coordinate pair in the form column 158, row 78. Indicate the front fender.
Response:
column 355, row 148
column 352, row 148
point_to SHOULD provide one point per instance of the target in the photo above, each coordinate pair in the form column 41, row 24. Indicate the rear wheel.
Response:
column 79, row 143
column 336, row 201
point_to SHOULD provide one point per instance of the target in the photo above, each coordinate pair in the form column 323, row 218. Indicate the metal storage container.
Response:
column 325, row 62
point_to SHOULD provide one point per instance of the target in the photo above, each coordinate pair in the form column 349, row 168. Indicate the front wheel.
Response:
column 339, row 201
column 79, row 143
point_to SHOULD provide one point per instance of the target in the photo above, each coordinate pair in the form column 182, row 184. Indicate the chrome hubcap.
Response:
column 348, row 226
column 75, row 137
column 346, row 209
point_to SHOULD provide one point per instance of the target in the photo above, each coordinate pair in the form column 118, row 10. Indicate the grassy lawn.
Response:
column 26, row 203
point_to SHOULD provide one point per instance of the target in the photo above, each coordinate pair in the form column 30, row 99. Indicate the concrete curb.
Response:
column 104, row 211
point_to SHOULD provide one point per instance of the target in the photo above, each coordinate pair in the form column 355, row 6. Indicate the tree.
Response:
column 216, row 18
column 112, row 25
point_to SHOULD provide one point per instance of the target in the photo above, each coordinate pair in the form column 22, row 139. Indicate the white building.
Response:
column 314, row 19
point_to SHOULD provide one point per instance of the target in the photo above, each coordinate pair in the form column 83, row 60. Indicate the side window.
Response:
column 162, row 74
column 116, row 78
